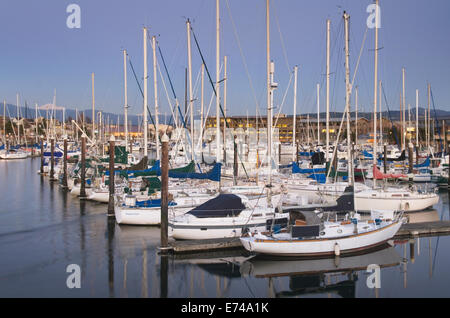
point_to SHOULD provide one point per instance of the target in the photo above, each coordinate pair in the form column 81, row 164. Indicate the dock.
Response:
column 424, row 229
column 409, row 230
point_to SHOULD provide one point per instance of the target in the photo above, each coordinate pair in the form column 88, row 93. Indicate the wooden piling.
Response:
column 164, row 193
column 384, row 159
column 64, row 181
column 112, row 142
column 83, row 167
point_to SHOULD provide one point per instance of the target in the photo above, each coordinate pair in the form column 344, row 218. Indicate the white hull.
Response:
column 10, row 156
column 365, row 202
column 215, row 228
column 321, row 247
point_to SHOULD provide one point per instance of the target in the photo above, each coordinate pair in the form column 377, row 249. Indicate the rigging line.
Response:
column 284, row 99
column 242, row 54
column 389, row 114
column 215, row 93
column 283, row 47
column 436, row 120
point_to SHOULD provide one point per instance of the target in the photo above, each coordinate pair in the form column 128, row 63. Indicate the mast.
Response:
column 417, row 118
column 64, row 122
column 318, row 114
column 328, row 91
column 155, row 86
column 217, row 82
column 356, row 114
column 427, row 118
column 191, row 105
column 224, row 104
column 18, row 119
column 36, row 122
column 201, row 108
column 294, row 124
column 125, row 106
column 4, row 120
column 144, row 114
column 381, row 116
column 93, row 109
column 347, row 98
column 270, row 70
column 404, row 108
column 375, row 93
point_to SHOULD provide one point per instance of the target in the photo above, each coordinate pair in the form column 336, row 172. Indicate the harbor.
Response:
column 51, row 229
column 142, row 193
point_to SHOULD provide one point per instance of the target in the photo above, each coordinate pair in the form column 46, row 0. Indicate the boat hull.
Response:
column 322, row 247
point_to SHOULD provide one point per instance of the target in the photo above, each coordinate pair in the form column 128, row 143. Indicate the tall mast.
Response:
column 347, row 98
column 224, row 102
column 35, row 121
column 356, row 114
column 307, row 129
column 375, row 93
column 318, row 113
column 201, row 107
column 93, row 108
column 125, row 106
column 217, row 82
column 417, row 118
column 428, row 118
column 4, row 120
column 191, row 105
column 294, row 131
column 270, row 70
column 18, row 119
column 328, row 90
column 144, row 114
column 404, row 108
column 155, row 86
column 381, row 116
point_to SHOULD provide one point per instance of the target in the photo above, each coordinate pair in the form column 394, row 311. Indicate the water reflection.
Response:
column 318, row 276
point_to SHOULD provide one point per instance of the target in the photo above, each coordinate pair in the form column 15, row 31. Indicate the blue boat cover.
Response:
column 367, row 154
column 221, row 206
column 152, row 203
column 297, row 169
column 424, row 164
column 319, row 177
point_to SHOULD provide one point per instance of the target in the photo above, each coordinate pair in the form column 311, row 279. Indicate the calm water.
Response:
column 43, row 230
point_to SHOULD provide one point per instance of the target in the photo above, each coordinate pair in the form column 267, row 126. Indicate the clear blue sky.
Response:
column 39, row 53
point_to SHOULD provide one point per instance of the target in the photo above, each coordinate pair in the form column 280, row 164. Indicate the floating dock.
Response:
column 406, row 231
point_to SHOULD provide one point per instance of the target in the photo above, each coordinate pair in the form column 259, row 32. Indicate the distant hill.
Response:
column 29, row 112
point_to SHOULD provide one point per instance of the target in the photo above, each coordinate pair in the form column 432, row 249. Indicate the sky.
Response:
column 40, row 54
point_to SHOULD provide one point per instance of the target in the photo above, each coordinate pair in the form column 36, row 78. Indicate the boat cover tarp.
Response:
column 57, row 154
column 319, row 177
column 401, row 158
column 221, row 206
column 152, row 203
column 187, row 172
column 367, row 154
column 297, row 169
column 378, row 175
column 424, row 164
column 318, row 158
column 213, row 175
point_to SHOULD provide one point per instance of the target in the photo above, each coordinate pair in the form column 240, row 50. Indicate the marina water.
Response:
column 44, row 229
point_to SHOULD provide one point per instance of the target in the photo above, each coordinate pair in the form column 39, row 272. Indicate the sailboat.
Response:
column 307, row 235
column 389, row 198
